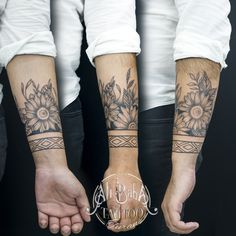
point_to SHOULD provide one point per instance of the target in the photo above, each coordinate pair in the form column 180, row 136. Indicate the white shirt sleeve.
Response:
column 25, row 29
column 203, row 30
column 111, row 27
column 68, row 34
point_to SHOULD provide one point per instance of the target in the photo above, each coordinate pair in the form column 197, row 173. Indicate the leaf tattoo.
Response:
column 40, row 113
column 194, row 112
column 120, row 107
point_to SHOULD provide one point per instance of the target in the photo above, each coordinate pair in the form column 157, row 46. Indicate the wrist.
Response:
column 123, row 158
column 122, row 170
column 183, row 162
column 50, row 159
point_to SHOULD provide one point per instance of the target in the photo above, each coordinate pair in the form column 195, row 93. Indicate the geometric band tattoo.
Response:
column 124, row 141
column 186, row 147
column 43, row 144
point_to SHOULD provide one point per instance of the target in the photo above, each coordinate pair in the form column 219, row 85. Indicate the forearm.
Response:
column 118, row 84
column 33, row 83
column 197, row 84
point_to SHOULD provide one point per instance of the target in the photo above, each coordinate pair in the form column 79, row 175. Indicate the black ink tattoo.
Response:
column 124, row 141
column 121, row 107
column 194, row 112
column 40, row 113
column 186, row 147
column 48, row 143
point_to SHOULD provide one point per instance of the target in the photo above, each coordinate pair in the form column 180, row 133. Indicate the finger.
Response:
column 65, row 224
column 83, row 205
column 111, row 226
column 184, row 228
column 166, row 215
column 114, row 226
column 122, row 225
column 179, row 226
column 54, row 225
column 117, row 228
column 128, row 219
column 130, row 211
column 43, row 220
column 112, row 204
column 115, row 215
column 77, row 224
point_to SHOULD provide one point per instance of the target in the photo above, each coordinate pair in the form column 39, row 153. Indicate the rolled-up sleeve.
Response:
column 203, row 30
column 25, row 29
column 111, row 27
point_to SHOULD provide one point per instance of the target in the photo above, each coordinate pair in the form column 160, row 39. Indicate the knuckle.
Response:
column 168, row 225
column 172, row 230
column 82, row 191
column 163, row 206
column 175, row 224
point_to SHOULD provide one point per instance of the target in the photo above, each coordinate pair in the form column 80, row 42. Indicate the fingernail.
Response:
column 88, row 219
column 66, row 232
column 110, row 223
column 43, row 223
column 54, row 231
column 76, row 231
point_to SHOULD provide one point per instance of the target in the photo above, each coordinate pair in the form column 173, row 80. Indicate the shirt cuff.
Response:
column 40, row 43
column 114, row 41
column 192, row 45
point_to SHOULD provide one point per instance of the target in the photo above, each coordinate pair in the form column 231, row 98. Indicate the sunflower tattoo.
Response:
column 121, row 107
column 40, row 113
column 193, row 114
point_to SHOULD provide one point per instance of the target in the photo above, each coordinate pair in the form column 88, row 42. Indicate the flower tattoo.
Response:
column 121, row 107
column 41, row 113
column 193, row 114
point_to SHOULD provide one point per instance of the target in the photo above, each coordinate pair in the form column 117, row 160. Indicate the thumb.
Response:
column 83, row 205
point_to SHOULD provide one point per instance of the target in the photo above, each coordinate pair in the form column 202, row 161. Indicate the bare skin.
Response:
column 121, row 166
column 118, row 84
column 196, row 91
column 60, row 197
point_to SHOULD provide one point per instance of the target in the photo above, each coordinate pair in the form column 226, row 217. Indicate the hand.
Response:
column 122, row 181
column 61, row 200
column 180, row 188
